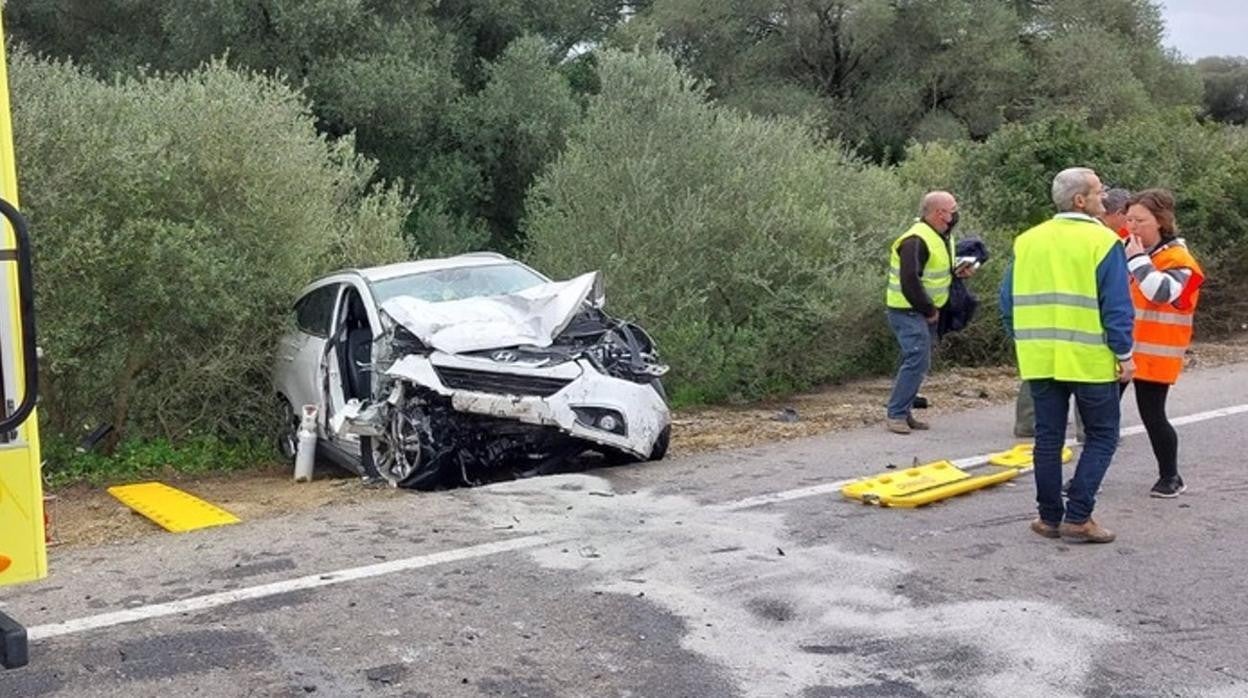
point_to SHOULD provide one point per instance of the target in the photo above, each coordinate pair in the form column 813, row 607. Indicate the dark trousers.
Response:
column 1150, row 398
column 1098, row 405
column 1025, row 413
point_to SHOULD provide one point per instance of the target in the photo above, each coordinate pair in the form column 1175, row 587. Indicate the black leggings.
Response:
column 1150, row 398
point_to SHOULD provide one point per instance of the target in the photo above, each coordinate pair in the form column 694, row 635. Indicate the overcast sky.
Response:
column 1199, row 28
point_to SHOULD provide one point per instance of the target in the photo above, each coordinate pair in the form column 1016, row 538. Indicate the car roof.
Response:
column 391, row 271
column 472, row 259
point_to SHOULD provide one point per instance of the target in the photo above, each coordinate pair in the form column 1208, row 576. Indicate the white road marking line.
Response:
column 1202, row 416
column 312, row 581
column 200, row 603
column 785, row 496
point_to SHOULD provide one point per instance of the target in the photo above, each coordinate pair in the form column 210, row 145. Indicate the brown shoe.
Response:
column 1047, row 530
column 916, row 424
column 897, row 426
column 1087, row 532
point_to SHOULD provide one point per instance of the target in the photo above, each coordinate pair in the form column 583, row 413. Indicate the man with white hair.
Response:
column 1066, row 301
column 1115, row 218
column 919, row 276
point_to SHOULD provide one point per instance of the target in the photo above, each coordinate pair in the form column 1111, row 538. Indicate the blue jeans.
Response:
column 1097, row 403
column 916, row 336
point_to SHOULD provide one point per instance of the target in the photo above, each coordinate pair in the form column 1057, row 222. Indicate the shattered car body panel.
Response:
column 531, row 317
column 585, row 387
column 456, row 385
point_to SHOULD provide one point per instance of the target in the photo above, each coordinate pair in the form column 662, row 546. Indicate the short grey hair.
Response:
column 1116, row 200
column 1069, row 183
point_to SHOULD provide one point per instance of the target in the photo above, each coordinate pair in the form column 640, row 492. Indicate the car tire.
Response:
column 659, row 450
column 427, row 478
column 431, row 474
column 287, row 440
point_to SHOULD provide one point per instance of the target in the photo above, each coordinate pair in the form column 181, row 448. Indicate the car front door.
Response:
column 354, row 314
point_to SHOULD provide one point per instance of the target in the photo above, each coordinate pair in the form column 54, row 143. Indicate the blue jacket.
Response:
column 1113, row 297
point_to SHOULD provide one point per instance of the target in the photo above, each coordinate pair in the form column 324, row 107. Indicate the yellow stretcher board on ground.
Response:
column 23, row 556
column 924, row 484
column 171, row 508
column 1020, row 456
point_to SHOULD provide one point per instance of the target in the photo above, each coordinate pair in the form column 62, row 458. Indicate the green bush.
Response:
column 174, row 219
column 756, row 252
column 134, row 459
column 749, row 247
column 1005, row 181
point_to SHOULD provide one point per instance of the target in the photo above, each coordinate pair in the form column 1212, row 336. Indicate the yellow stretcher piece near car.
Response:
column 923, row 484
column 1020, row 456
column 171, row 509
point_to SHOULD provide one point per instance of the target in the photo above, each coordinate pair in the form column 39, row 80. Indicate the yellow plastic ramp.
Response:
column 1020, row 456
column 923, row 484
column 171, row 509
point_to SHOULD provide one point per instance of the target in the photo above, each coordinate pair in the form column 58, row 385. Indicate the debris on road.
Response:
column 787, row 415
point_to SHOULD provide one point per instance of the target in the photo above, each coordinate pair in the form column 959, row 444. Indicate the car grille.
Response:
column 504, row 383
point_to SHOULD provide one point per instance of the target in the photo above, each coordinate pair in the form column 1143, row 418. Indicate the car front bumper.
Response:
column 571, row 396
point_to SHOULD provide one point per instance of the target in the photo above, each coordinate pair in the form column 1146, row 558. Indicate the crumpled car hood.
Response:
column 534, row 316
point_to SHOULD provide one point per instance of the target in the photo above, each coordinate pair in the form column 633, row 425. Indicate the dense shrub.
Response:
column 174, row 219
column 1004, row 183
column 751, row 248
column 756, row 251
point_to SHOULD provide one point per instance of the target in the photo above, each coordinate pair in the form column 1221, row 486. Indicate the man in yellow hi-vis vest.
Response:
column 1066, row 301
column 920, row 271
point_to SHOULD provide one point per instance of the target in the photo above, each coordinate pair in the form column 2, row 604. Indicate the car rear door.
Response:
column 302, row 351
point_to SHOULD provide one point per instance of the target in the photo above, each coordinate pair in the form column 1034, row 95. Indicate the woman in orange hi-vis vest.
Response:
column 1165, row 287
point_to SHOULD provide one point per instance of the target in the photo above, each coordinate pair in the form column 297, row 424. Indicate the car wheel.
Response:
column 659, row 451
column 288, row 433
column 402, row 457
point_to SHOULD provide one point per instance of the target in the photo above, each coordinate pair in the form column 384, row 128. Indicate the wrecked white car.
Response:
column 447, row 371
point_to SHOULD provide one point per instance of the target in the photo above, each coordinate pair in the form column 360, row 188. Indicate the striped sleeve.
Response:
column 1158, row 286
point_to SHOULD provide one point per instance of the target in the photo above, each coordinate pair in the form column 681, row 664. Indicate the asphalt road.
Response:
column 732, row 574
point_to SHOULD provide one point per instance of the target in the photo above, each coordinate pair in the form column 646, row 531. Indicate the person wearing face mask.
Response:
column 1066, row 303
column 919, row 275
column 1165, row 288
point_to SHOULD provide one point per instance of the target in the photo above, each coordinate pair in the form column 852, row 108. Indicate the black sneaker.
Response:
column 1168, row 488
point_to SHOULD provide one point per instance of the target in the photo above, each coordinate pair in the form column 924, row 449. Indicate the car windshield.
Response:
column 458, row 283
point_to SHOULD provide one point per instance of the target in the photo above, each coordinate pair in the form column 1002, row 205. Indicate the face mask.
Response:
column 953, row 220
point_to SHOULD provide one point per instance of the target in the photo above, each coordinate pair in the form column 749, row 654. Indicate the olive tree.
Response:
column 174, row 219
